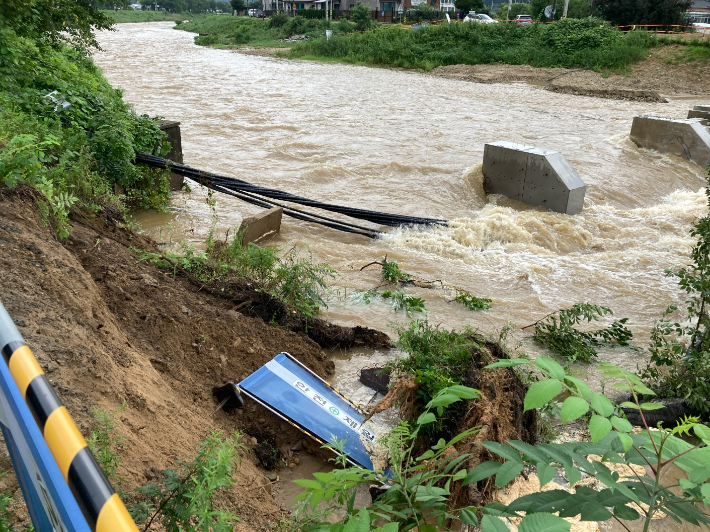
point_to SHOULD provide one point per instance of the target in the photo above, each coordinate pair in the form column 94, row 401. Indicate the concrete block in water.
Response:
column 172, row 130
column 260, row 226
column 532, row 175
column 688, row 138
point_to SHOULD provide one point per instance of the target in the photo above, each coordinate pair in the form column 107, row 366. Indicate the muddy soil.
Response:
column 653, row 79
column 111, row 330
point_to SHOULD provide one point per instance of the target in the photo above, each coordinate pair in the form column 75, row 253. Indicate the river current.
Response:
column 410, row 143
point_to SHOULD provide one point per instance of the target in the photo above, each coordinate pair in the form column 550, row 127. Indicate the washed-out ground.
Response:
column 114, row 333
column 110, row 330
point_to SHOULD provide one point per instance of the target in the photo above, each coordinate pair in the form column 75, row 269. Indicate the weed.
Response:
column 401, row 301
column 437, row 357
column 184, row 498
column 391, row 272
column 105, row 444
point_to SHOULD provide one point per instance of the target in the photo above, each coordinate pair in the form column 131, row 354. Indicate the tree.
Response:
column 70, row 21
column 238, row 5
column 627, row 12
column 362, row 17
column 465, row 6
column 515, row 10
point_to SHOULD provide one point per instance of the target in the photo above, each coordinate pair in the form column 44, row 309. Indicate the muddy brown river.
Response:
column 409, row 143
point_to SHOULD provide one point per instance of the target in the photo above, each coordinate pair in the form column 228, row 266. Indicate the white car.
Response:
column 479, row 17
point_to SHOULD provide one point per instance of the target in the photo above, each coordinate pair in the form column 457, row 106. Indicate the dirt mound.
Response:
column 108, row 329
column 668, row 70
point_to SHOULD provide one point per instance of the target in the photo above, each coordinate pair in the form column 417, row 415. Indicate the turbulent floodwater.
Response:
column 412, row 144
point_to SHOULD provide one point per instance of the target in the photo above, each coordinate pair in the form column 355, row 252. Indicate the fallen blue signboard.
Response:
column 292, row 391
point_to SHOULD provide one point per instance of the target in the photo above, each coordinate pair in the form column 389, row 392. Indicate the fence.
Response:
column 62, row 484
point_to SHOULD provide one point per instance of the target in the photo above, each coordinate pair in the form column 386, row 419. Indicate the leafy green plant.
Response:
column 418, row 486
column 628, row 497
column 473, row 302
column 392, row 273
column 23, row 157
column 184, row 498
column 676, row 369
column 105, row 444
column 401, row 301
column 437, row 357
column 418, row 495
column 301, row 283
column 561, row 337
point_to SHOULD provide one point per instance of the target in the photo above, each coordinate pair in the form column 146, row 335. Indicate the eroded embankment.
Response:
column 108, row 329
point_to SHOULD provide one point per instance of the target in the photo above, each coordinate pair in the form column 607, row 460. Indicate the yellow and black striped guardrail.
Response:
column 101, row 506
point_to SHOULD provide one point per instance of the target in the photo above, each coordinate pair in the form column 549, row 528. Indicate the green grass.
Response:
column 224, row 32
column 570, row 43
column 128, row 15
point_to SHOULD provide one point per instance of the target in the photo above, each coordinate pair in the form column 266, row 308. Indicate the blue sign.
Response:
column 293, row 391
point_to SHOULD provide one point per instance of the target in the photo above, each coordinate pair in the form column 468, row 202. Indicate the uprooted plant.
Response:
column 557, row 331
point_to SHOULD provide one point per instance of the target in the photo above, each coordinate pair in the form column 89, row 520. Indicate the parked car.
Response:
column 524, row 20
column 479, row 17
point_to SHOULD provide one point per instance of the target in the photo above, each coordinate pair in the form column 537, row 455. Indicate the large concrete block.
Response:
column 532, row 175
column 265, row 223
column 172, row 130
column 688, row 138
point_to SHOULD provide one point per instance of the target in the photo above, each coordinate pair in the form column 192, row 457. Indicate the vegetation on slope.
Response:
column 63, row 129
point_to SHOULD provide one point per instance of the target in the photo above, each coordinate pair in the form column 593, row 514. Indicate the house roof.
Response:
column 700, row 4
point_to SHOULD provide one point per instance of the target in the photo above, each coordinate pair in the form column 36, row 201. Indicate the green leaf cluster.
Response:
column 559, row 334
column 473, row 302
column 185, row 498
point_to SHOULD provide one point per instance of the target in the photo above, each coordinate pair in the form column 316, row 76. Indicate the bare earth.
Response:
column 649, row 80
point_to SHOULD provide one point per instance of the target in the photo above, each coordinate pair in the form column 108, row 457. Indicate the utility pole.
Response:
column 564, row 13
column 510, row 3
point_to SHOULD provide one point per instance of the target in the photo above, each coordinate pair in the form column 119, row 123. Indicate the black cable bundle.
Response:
column 258, row 196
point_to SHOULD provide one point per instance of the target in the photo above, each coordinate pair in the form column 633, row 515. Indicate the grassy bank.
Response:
column 586, row 43
column 128, row 15
column 77, row 145
column 221, row 31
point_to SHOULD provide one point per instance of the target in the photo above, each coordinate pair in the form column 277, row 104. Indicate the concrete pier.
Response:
column 258, row 227
column 532, row 175
column 172, row 130
column 687, row 138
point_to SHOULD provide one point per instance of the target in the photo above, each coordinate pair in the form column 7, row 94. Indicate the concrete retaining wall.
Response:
column 532, row 175
column 688, row 138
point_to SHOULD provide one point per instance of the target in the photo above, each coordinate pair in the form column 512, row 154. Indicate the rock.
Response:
column 292, row 465
column 273, row 477
column 298, row 446
column 150, row 281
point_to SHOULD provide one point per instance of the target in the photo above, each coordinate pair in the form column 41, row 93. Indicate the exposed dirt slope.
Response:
column 108, row 329
column 661, row 74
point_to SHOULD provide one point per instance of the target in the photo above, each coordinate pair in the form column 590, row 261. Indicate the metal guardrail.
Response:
column 47, row 501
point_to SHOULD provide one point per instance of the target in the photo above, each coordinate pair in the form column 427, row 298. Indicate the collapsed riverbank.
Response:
column 115, row 334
